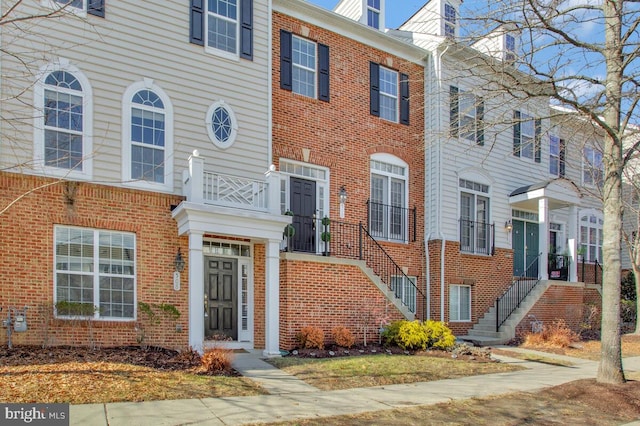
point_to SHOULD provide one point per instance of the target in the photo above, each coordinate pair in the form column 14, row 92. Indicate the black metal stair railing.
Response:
column 516, row 293
column 353, row 241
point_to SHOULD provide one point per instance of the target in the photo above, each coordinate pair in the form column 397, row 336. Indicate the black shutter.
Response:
column 516, row 133
column 96, row 7
column 562, row 155
column 323, row 72
column 196, row 24
column 404, row 99
column 480, row 122
column 246, row 30
column 374, row 89
column 538, row 141
column 286, row 53
column 453, row 112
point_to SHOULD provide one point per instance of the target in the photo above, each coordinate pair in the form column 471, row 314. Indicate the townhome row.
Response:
column 262, row 165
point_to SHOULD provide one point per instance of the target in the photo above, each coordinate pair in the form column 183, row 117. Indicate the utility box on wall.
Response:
column 20, row 323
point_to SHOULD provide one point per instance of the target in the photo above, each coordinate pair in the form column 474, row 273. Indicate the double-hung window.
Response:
column 526, row 136
column 389, row 94
column 475, row 229
column 62, row 135
column 388, row 213
column 466, row 115
column 95, row 273
column 459, row 303
column 510, row 47
column 556, row 156
column 147, row 136
column 63, row 121
column 304, row 66
column 224, row 27
column 404, row 288
column 373, row 13
column 591, row 236
column 92, row 7
column 592, row 167
column 449, row 20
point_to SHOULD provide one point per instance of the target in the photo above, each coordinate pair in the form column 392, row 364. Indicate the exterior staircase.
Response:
column 484, row 331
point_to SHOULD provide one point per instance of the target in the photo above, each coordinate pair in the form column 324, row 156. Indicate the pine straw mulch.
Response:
column 81, row 375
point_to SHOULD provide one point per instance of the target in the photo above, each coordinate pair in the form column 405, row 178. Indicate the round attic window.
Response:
column 221, row 125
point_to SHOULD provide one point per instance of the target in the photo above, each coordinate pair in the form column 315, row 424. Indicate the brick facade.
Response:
column 570, row 302
column 26, row 257
column 315, row 291
column 342, row 135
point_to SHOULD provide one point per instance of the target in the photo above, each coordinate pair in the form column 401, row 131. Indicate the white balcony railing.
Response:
column 206, row 187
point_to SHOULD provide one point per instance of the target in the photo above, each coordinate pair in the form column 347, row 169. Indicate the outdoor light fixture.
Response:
column 343, row 199
column 508, row 226
column 179, row 261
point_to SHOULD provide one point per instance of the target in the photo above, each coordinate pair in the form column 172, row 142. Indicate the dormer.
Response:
column 367, row 12
column 501, row 43
column 437, row 17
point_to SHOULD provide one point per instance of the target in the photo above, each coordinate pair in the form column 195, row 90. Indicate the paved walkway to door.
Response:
column 289, row 398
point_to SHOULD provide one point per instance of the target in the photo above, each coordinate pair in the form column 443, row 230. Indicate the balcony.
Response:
column 208, row 187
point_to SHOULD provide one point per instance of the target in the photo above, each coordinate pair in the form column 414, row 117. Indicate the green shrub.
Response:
column 390, row 333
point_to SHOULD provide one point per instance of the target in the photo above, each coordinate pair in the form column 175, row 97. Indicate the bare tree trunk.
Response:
column 610, row 368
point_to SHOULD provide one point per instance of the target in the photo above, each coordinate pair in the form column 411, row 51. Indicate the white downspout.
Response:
column 439, row 202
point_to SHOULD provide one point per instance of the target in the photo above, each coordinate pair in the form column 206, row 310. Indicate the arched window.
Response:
column 388, row 213
column 148, row 136
column 63, row 111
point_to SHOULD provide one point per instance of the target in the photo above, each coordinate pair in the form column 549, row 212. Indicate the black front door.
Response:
column 303, row 206
column 221, row 298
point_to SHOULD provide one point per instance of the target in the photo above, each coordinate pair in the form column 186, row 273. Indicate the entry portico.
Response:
column 557, row 195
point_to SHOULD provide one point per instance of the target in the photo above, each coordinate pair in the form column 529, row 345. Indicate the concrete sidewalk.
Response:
column 289, row 398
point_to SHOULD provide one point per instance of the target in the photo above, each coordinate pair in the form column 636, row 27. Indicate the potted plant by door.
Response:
column 325, row 236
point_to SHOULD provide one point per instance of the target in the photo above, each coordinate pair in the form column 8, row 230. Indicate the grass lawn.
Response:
column 378, row 370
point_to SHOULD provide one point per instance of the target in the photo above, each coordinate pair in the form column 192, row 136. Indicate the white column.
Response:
column 572, row 243
column 543, row 237
column 195, row 185
column 272, row 300
column 196, row 292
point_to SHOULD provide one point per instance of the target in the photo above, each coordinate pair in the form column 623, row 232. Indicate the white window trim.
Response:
column 392, row 159
column 167, row 186
column 314, row 69
column 476, row 176
column 209, row 122
column 467, row 93
column 458, row 302
column 86, row 173
column 96, row 278
column 587, row 165
column 446, row 22
column 552, row 157
column 388, row 95
column 413, row 284
column 52, row 4
column 213, row 50
column 529, row 117
column 586, row 257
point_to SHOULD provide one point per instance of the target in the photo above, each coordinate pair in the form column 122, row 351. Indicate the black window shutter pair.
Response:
column 480, row 122
column 286, row 65
column 196, row 26
column 96, row 7
column 374, row 93
column 562, row 156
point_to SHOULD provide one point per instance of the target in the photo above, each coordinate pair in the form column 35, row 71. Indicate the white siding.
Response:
column 133, row 42
column 351, row 9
